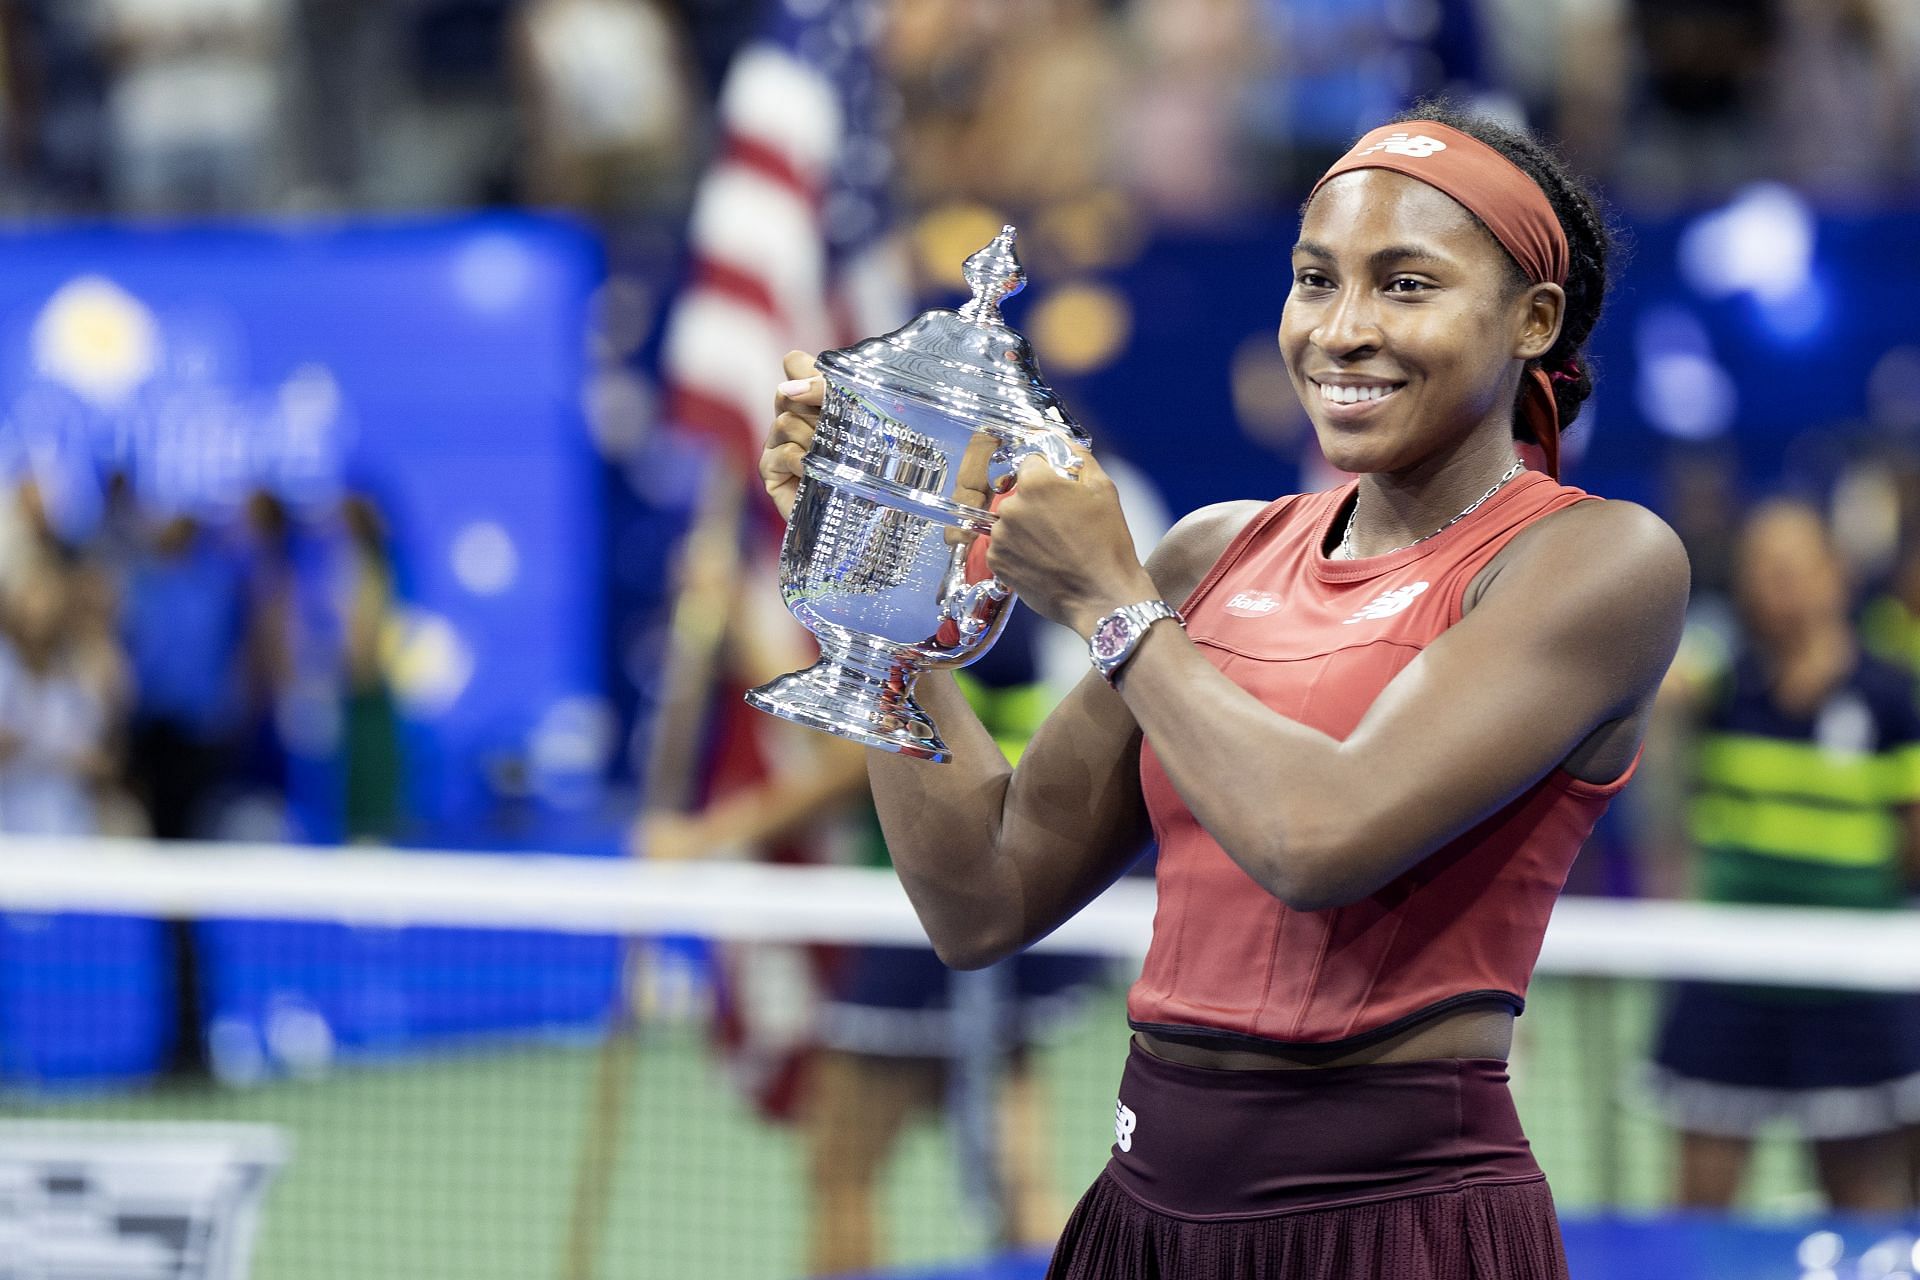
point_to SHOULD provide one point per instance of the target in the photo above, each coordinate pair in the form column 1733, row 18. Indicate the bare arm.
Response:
column 1564, row 641
column 995, row 857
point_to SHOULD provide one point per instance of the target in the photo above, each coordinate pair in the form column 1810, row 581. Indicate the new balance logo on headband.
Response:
column 1419, row 146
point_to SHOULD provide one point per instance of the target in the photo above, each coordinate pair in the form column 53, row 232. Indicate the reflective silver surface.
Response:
column 885, row 554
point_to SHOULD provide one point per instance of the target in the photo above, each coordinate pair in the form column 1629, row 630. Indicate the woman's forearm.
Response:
column 1264, row 787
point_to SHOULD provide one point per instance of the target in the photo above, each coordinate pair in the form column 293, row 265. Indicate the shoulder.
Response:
column 1602, row 586
column 1195, row 542
column 1614, row 550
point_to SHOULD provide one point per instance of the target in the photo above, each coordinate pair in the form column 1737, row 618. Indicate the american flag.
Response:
column 789, row 249
column 788, row 234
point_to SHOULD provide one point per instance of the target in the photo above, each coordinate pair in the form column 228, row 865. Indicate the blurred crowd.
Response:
column 1195, row 108
column 179, row 676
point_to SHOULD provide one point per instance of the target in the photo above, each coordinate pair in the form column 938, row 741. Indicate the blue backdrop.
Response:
column 438, row 366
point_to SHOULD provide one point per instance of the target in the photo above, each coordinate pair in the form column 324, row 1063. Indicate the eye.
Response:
column 1407, row 284
column 1311, row 278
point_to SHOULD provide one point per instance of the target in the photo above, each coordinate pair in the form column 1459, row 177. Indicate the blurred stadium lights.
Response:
column 569, row 749
column 1264, row 402
column 493, row 271
column 429, row 662
column 1819, row 1251
column 943, row 237
column 485, row 560
column 1762, row 244
column 1683, row 390
column 96, row 339
column 1081, row 326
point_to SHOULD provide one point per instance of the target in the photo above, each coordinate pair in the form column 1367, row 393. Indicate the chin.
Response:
column 1355, row 454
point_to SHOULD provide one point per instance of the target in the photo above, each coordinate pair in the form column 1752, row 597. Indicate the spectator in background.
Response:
column 885, row 1037
column 101, row 666
column 1010, row 105
column 195, row 103
column 608, row 109
column 1668, row 95
column 1342, row 64
column 370, row 725
column 1842, row 95
column 183, row 627
column 54, row 728
column 28, row 543
column 1673, row 97
column 268, row 671
column 445, row 134
column 1808, row 782
column 1188, row 89
column 888, row 1030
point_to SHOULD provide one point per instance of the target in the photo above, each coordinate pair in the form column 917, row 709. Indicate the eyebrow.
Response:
column 1378, row 258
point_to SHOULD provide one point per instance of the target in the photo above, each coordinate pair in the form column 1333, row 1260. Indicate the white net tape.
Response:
column 1867, row 951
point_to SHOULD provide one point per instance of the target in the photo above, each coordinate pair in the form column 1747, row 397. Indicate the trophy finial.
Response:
column 994, row 274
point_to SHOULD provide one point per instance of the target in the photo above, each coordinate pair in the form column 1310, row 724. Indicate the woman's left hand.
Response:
column 1062, row 544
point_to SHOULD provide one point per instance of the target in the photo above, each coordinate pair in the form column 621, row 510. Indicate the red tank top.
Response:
column 1317, row 640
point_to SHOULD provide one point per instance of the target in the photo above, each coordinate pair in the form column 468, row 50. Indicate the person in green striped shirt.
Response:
column 1805, row 793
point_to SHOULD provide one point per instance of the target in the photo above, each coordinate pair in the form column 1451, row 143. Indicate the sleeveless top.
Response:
column 1317, row 640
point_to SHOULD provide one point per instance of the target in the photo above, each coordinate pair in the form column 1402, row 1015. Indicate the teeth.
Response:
column 1354, row 395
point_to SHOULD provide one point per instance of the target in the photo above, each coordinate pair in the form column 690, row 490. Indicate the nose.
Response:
column 1349, row 326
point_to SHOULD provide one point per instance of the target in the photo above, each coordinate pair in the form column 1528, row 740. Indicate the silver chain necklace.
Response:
column 1346, row 539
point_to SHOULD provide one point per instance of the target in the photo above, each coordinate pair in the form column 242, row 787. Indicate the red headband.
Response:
column 1506, row 201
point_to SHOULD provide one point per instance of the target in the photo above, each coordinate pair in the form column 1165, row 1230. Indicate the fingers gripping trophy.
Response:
column 920, row 432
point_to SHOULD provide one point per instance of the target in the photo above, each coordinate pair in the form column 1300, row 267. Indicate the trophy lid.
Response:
column 966, row 362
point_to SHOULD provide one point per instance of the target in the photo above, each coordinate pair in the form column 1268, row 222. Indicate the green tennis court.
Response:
column 465, row 1163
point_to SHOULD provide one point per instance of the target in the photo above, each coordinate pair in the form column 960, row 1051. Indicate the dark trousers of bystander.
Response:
column 175, row 773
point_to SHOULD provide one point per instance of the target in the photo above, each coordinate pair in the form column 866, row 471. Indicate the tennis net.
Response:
column 231, row 1060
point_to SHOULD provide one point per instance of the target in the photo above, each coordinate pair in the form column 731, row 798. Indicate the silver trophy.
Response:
column 885, row 555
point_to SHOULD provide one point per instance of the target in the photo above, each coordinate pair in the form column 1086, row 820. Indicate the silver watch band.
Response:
column 1117, row 635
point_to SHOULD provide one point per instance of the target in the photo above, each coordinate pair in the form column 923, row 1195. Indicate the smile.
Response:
column 1356, row 395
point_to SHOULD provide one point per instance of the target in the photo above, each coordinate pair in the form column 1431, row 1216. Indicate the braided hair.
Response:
column 1590, row 241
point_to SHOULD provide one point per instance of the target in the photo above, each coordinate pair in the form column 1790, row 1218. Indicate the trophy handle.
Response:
column 961, row 599
column 968, row 587
column 1056, row 449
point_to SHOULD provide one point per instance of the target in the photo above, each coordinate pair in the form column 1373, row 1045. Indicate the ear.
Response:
column 1538, row 312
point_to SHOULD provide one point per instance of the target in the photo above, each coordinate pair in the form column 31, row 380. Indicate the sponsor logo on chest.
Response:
column 1252, row 604
column 1387, row 603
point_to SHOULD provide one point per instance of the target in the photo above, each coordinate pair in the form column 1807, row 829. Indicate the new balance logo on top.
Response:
column 1419, row 146
column 1252, row 604
column 1388, row 603
column 1124, row 1123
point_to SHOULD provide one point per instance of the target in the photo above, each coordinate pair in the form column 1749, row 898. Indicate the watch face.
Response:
column 1110, row 637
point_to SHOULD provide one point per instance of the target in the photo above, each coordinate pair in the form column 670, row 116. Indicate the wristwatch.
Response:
column 1118, row 634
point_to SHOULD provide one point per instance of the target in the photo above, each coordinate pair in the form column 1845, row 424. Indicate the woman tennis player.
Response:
column 1370, row 729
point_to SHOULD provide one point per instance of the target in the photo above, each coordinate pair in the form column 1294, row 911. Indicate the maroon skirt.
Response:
column 1415, row 1171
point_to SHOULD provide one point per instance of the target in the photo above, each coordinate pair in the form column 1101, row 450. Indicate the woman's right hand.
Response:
column 796, row 408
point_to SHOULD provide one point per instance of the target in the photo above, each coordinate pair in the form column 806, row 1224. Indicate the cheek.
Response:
column 1453, row 350
column 1295, row 334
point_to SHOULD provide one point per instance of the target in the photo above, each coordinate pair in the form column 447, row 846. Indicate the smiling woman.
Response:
column 1369, row 743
